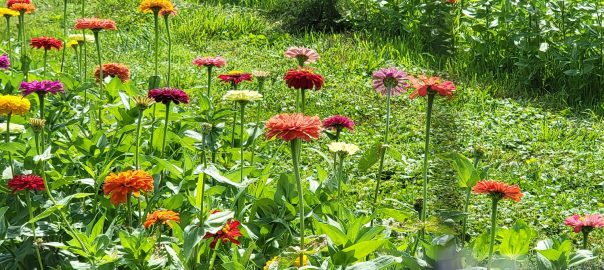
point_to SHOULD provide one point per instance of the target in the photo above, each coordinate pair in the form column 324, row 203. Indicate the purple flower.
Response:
column 167, row 95
column 4, row 61
column 338, row 122
column 41, row 87
column 392, row 78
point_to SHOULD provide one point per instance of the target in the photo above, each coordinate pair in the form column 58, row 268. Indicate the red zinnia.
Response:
column 167, row 95
column 95, row 24
column 498, row 190
column 229, row 232
column 235, row 77
column 10, row 3
column 425, row 84
column 294, row 126
column 113, row 70
column 30, row 182
column 303, row 79
column 46, row 43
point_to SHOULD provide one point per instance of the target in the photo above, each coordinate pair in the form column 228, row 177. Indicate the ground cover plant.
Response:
column 211, row 135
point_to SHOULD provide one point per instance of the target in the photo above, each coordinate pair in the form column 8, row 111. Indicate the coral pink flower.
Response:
column 230, row 232
column 29, row 182
column 498, row 190
column 587, row 222
column 95, row 24
column 113, row 70
column 46, row 43
column 293, row 126
column 209, row 62
column 392, row 78
column 303, row 78
column 338, row 122
column 167, row 95
column 424, row 84
column 303, row 55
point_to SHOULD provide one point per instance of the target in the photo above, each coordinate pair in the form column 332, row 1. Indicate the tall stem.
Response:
column 252, row 146
column 209, row 81
column 241, row 115
column 163, row 144
column 45, row 60
column 7, row 140
column 167, row 22
column 340, row 179
column 33, row 229
column 10, row 47
column 22, row 32
column 138, row 135
column 64, row 33
column 101, row 77
column 303, row 100
column 493, row 229
column 233, row 127
column 156, row 21
column 426, row 154
column 585, row 238
column 295, row 149
column 466, row 204
column 42, row 136
column 382, row 150
column 129, row 207
column 85, row 56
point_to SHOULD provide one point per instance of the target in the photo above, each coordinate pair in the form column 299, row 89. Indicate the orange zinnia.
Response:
column 148, row 6
column 498, row 190
column 118, row 186
column 161, row 216
column 23, row 7
column 294, row 126
column 95, row 24
column 113, row 70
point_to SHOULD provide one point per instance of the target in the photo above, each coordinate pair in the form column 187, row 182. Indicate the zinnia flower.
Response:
column 209, row 62
column 274, row 262
column 242, row 96
column 46, row 43
column 168, row 12
column 23, row 7
column 338, row 122
column 235, row 77
column 7, row 12
column 498, row 190
column 423, row 85
column 4, row 61
column 29, row 182
column 303, row 78
column 587, row 222
column 167, row 95
column 149, row 6
column 303, row 55
column 345, row 148
column 95, row 24
column 229, row 232
column 72, row 44
column 392, row 78
column 293, row 126
column 10, row 3
column 261, row 74
column 14, row 128
column 41, row 87
column 162, row 217
column 113, row 70
column 37, row 124
column 81, row 39
column 143, row 102
column 118, row 186
column 13, row 105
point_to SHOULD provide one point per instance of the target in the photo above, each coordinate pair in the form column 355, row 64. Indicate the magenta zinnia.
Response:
column 41, row 87
column 338, row 122
column 4, row 61
column 167, row 95
column 235, row 77
column 390, row 78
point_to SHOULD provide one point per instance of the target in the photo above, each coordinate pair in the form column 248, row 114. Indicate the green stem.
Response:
column 45, row 60
column 295, row 148
column 242, row 115
column 33, row 229
column 22, row 33
column 97, row 41
column 383, row 150
column 85, row 55
column 138, row 135
column 42, row 136
column 10, row 47
column 493, row 229
column 156, row 21
column 78, row 51
column 153, row 118
column 233, row 127
column 201, row 189
column 129, row 207
column 426, row 154
column 260, row 88
column 167, row 22
column 37, row 141
column 303, row 100
column 214, row 252
column 465, row 220
column 7, row 140
column 340, row 180
column 585, row 238
column 209, row 81
column 64, row 33
column 163, row 144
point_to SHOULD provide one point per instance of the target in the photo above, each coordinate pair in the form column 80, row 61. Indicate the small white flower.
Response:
column 242, row 95
column 14, row 128
column 340, row 147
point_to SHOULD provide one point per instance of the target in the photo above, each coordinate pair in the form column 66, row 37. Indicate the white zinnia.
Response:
column 340, row 147
column 242, row 95
column 14, row 128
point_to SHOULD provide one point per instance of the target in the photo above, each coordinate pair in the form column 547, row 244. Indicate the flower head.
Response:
column 338, row 122
column 587, row 222
column 41, row 87
column 46, row 43
column 498, row 190
column 7, row 12
column 230, row 232
column 95, row 24
column 24, row 6
column 343, row 148
column 167, row 95
column 168, row 12
column 242, row 96
column 293, row 126
column 81, row 39
column 10, row 104
column 390, row 78
column 162, row 217
column 143, row 102
column 72, row 44
column 303, row 78
column 217, row 62
column 13, row 128
column 113, row 70
column 37, row 124
column 10, row 3
column 235, row 77
column 4, row 61
column 29, row 182
column 424, row 84
column 303, row 55
column 149, row 6
column 120, row 185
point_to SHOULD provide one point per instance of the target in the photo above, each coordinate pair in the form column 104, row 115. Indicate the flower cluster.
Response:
column 343, row 148
column 46, row 43
column 10, row 104
column 294, row 126
column 217, row 62
column 424, row 84
column 120, row 186
column 29, row 182
column 303, row 78
column 161, row 217
column 338, row 122
column 242, row 95
column 390, row 78
column 42, row 87
column 587, row 222
column 498, row 190
column 229, row 233
column 167, row 95
column 95, row 24
column 113, row 70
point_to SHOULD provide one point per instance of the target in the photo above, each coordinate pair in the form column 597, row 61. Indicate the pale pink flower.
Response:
column 303, row 55
column 588, row 222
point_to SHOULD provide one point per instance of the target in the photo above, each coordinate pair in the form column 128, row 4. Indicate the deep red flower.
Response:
column 294, row 126
column 30, row 182
column 167, row 95
column 498, row 190
column 46, row 43
column 424, row 84
column 229, row 232
column 338, row 122
column 235, row 77
column 303, row 78
column 10, row 3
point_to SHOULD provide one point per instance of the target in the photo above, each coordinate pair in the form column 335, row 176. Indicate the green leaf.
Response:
column 480, row 246
column 154, row 82
column 165, row 165
column 49, row 211
column 362, row 249
column 380, row 262
column 467, row 175
column 215, row 174
column 517, row 240
column 335, row 234
column 370, row 157
column 580, row 257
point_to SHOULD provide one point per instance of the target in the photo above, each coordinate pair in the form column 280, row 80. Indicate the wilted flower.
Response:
column 338, row 122
column 209, row 62
column 37, row 124
column 230, row 232
column 4, row 61
column 303, row 78
column 167, row 95
column 242, row 96
column 294, row 126
column 29, row 182
column 14, row 105
column 423, row 85
column 498, row 190
column 113, row 70
column 120, row 185
column 143, row 102
column 161, row 217
column 303, row 55
column 587, row 222
column 42, row 87
column 95, row 24
column 390, row 78
column 46, row 43
column 343, row 148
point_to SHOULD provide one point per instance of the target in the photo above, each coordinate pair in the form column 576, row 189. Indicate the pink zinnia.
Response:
column 303, row 55
column 392, row 78
column 4, row 61
column 587, row 222
column 498, row 190
column 209, row 62
column 424, row 84
column 338, row 122
column 41, row 87
column 167, row 95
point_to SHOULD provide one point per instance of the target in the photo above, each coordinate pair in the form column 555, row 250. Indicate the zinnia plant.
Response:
column 23, row 7
column 8, row 14
column 260, row 76
column 209, row 63
column 389, row 82
column 42, row 88
column 46, row 43
column 496, row 191
column 585, row 224
column 142, row 103
column 303, row 79
column 113, row 70
column 429, row 86
column 120, row 187
column 229, row 233
column 12, row 105
column 341, row 151
column 155, row 6
column 295, row 128
column 4, row 61
column 302, row 55
column 159, row 218
column 167, row 96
